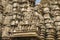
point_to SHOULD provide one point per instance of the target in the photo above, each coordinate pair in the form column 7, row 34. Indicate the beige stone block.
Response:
column 55, row 7
column 50, row 30
column 58, row 28
column 7, row 20
column 46, row 16
column 57, row 18
column 50, row 36
column 57, row 23
column 1, row 18
column 46, row 10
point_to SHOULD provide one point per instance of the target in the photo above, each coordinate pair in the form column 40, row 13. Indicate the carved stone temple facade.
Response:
column 23, row 20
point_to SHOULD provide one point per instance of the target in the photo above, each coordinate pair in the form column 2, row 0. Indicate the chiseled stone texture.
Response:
column 23, row 16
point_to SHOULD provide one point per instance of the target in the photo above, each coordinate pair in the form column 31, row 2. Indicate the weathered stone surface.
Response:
column 20, row 17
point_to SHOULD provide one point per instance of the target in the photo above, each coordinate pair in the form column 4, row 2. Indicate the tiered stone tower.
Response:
column 50, row 10
column 20, row 20
column 23, row 20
